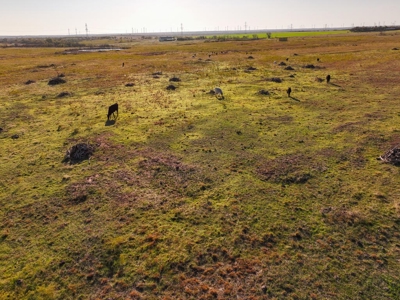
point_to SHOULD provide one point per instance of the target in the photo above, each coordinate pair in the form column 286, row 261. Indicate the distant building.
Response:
column 166, row 39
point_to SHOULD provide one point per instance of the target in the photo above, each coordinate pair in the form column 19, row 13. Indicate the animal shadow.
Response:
column 293, row 98
column 110, row 122
column 334, row 84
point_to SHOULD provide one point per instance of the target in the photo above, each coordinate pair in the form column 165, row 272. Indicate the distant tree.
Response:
column 269, row 35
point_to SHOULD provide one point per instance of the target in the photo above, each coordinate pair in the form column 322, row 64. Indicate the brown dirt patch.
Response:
column 287, row 169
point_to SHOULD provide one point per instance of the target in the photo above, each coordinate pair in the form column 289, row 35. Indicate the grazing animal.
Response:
column 218, row 92
column 317, row 59
column 289, row 90
column 123, row 64
column 111, row 110
column 328, row 78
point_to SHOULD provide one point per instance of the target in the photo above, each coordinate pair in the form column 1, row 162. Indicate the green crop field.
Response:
column 186, row 196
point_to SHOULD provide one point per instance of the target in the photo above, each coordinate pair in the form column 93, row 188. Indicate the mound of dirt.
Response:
column 250, row 57
column 174, row 79
column 171, row 87
column 29, row 82
column 63, row 94
column 309, row 66
column 317, row 79
column 282, row 64
column 56, row 80
column 79, row 152
column 392, row 156
column 289, row 68
column 276, row 79
column 263, row 92
column 251, row 69
column 129, row 84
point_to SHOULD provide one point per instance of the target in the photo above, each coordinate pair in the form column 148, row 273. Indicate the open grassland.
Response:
column 189, row 197
column 294, row 33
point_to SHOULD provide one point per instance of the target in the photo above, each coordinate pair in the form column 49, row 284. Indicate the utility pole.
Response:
column 87, row 30
column 181, row 29
column 245, row 27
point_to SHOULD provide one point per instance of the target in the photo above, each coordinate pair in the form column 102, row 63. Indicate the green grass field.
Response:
column 190, row 197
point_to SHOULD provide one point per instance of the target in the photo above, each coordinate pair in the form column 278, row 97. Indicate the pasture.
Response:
column 186, row 196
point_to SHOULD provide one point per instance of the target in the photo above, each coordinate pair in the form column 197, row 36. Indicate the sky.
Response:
column 69, row 17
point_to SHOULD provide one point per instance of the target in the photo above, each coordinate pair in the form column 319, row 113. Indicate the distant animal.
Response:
column 328, row 78
column 111, row 110
column 289, row 90
column 123, row 64
column 317, row 59
column 218, row 92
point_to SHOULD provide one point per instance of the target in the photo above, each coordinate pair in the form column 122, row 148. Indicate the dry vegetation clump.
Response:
column 251, row 68
column 64, row 94
column 276, row 79
column 171, row 87
column 56, row 80
column 174, row 79
column 392, row 156
column 263, row 92
column 79, row 153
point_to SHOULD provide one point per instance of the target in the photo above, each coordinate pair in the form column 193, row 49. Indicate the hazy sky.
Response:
column 52, row 17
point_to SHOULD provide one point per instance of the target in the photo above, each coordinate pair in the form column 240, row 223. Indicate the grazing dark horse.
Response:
column 328, row 78
column 289, row 90
column 111, row 110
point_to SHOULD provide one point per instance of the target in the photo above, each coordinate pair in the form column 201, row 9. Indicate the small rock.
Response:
column 15, row 136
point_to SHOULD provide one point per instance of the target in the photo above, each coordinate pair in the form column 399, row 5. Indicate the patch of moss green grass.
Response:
column 191, row 197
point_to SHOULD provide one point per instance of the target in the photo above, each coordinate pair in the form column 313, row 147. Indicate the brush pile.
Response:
column 392, row 156
column 56, row 80
column 79, row 152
